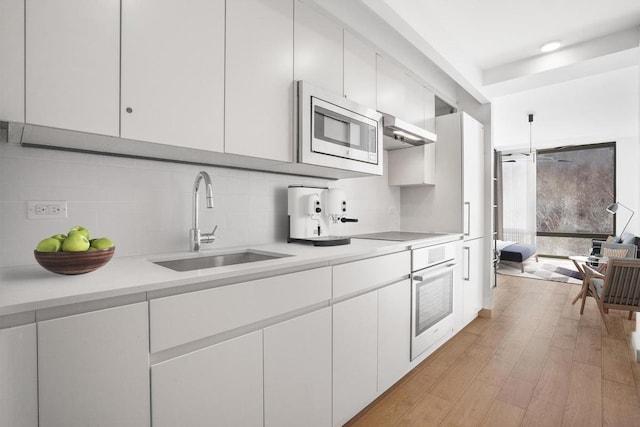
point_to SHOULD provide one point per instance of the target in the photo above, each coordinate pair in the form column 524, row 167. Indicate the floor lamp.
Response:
column 613, row 209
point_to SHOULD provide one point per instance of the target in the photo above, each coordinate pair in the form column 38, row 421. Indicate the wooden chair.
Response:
column 617, row 288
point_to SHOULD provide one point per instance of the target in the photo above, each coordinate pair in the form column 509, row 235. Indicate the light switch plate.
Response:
column 46, row 209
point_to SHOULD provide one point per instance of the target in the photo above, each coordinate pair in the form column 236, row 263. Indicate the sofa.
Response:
column 626, row 238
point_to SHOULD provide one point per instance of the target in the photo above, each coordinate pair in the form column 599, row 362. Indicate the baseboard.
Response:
column 485, row 313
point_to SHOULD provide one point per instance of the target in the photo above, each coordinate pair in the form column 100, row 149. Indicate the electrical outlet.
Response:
column 46, row 209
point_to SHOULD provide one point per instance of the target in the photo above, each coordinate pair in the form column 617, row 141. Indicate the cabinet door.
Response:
column 259, row 79
column 318, row 48
column 297, row 371
column 413, row 166
column 12, row 64
column 93, row 368
column 473, row 262
column 359, row 71
column 18, row 370
column 429, row 111
column 394, row 334
column 219, row 385
column 173, row 72
column 73, row 64
column 398, row 93
column 474, row 177
column 390, row 89
column 413, row 111
column 355, row 354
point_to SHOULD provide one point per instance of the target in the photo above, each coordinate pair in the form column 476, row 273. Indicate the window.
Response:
column 574, row 185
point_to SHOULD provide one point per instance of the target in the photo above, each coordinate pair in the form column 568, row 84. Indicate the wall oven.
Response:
column 432, row 295
column 336, row 132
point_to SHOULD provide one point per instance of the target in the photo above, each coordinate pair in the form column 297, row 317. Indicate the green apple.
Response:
column 59, row 237
column 48, row 245
column 79, row 229
column 101, row 243
column 75, row 242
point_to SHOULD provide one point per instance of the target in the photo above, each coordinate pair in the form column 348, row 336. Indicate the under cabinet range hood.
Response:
column 399, row 133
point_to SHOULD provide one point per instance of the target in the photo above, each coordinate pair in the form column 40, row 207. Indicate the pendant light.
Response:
column 532, row 154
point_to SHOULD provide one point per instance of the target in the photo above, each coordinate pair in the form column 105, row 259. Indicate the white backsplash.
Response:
column 145, row 206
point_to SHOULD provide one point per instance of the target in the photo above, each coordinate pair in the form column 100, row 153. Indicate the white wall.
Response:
column 145, row 206
column 601, row 108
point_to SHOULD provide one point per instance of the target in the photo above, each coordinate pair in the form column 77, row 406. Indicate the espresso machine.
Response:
column 313, row 212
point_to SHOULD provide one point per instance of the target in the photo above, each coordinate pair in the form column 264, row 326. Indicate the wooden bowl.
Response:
column 74, row 262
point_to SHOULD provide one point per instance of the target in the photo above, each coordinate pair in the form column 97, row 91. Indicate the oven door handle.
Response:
column 423, row 274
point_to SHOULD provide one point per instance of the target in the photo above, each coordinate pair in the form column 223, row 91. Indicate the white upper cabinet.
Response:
column 413, row 166
column 390, row 90
column 12, row 63
column 173, row 72
column 318, row 48
column 414, row 108
column 429, row 110
column 401, row 95
column 73, row 64
column 474, row 176
column 331, row 57
column 259, row 79
column 359, row 71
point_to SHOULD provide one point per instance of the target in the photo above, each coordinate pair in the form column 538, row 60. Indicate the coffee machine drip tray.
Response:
column 398, row 236
column 323, row 240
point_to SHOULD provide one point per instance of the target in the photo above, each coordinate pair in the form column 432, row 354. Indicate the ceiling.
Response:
column 492, row 47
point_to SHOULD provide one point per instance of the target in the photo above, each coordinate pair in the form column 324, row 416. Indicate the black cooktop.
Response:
column 397, row 236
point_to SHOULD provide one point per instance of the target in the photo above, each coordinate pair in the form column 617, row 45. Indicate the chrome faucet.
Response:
column 196, row 237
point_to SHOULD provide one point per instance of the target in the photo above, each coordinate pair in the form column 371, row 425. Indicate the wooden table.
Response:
column 579, row 261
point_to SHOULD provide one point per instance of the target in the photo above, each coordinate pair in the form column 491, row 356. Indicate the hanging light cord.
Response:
column 533, row 158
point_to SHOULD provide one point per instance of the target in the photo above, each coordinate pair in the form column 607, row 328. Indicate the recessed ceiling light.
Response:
column 550, row 47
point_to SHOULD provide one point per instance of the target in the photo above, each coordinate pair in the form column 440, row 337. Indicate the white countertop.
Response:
column 29, row 288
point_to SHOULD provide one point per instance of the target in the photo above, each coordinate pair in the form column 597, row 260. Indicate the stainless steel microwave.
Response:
column 336, row 132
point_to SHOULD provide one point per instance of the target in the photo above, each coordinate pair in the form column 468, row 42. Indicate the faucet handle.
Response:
column 209, row 237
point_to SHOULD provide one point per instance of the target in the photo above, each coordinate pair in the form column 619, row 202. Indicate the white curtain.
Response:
column 518, row 197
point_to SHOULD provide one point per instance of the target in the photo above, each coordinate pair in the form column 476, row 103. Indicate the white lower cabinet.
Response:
column 297, row 371
column 355, row 355
column 93, row 368
column 394, row 335
column 472, row 279
column 220, row 385
column 18, row 377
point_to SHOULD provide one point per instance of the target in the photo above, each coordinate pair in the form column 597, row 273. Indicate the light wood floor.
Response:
column 536, row 362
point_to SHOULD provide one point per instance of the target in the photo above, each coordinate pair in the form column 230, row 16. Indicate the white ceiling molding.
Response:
column 624, row 43
column 576, row 70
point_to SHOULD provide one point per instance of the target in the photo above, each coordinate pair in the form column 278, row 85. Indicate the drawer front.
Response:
column 429, row 337
column 359, row 275
column 180, row 319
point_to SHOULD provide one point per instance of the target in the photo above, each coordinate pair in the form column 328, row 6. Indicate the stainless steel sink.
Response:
column 219, row 260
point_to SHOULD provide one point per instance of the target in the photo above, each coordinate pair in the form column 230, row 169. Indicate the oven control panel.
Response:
column 432, row 255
